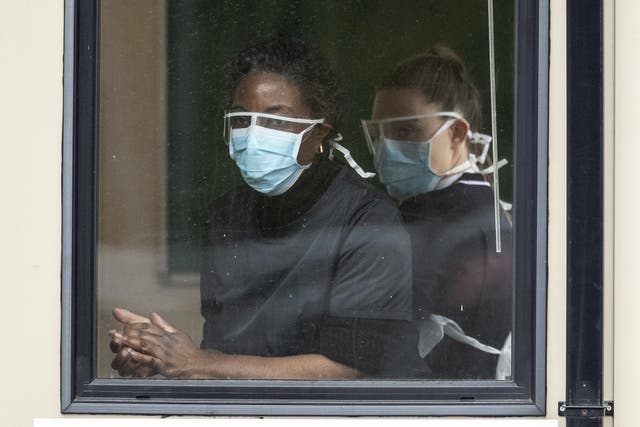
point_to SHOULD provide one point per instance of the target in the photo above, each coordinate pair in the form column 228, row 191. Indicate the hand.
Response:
column 123, row 362
column 160, row 346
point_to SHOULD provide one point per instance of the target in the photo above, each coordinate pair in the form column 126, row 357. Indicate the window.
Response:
column 148, row 173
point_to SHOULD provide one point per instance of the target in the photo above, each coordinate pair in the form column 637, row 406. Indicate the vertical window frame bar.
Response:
column 585, row 206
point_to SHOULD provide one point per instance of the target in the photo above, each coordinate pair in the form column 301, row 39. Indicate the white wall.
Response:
column 626, row 213
column 31, row 37
column 31, row 45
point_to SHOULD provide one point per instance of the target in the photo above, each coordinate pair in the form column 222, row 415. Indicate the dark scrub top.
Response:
column 324, row 268
column 458, row 274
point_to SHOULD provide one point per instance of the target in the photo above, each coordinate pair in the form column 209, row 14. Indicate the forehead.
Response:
column 399, row 102
column 269, row 92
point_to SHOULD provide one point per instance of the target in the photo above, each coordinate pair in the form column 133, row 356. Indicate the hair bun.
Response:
column 442, row 77
column 448, row 57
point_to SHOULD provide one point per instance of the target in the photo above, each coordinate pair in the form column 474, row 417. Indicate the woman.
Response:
column 429, row 161
column 305, row 269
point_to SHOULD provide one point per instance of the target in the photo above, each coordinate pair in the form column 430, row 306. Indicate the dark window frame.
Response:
column 585, row 212
column 82, row 392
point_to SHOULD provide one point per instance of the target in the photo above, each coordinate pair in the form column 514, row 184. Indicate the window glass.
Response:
column 241, row 233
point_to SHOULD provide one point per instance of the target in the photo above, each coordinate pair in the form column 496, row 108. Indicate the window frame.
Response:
column 82, row 392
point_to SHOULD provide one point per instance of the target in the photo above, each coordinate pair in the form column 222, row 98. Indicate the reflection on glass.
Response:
column 271, row 246
column 423, row 136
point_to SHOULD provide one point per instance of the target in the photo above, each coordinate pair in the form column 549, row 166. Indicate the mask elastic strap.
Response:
column 506, row 205
column 469, row 165
column 443, row 128
column 431, row 331
column 492, row 168
column 472, row 163
column 480, row 138
column 447, row 178
column 307, row 129
column 503, row 162
column 347, row 156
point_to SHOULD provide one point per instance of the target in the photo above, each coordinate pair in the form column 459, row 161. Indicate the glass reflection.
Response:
column 162, row 162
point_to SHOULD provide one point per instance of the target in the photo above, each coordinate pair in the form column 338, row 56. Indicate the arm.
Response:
column 165, row 350
column 220, row 365
column 370, row 308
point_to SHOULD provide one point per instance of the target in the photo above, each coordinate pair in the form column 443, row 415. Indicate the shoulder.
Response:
column 470, row 196
column 350, row 192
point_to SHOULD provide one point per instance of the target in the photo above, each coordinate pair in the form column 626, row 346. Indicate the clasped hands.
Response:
column 146, row 347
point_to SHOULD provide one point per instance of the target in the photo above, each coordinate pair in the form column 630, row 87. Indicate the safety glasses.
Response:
column 244, row 120
column 419, row 128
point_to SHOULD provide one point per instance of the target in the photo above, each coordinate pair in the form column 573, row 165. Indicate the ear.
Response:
column 322, row 130
column 312, row 143
column 459, row 131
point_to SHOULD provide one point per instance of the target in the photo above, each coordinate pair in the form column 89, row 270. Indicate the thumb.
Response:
column 126, row 316
column 159, row 321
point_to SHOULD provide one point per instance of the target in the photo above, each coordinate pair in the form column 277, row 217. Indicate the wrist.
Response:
column 204, row 364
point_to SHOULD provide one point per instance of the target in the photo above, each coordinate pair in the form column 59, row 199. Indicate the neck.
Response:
column 277, row 211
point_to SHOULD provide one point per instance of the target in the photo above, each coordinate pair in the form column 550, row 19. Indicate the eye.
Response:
column 272, row 123
column 240, row 122
column 405, row 132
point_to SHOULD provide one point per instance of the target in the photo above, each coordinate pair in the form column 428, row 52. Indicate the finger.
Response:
column 143, row 337
column 138, row 329
column 143, row 371
column 148, row 344
column 115, row 345
column 159, row 321
column 117, row 340
column 125, row 316
column 120, row 359
column 144, row 359
column 128, row 368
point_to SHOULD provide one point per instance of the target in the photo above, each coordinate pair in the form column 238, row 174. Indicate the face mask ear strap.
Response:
column 491, row 169
column 347, row 156
column 443, row 128
column 473, row 160
column 334, row 140
column 306, row 131
column 480, row 138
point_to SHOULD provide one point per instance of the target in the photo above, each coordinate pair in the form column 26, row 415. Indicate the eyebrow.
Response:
column 274, row 109
column 408, row 122
column 280, row 108
column 235, row 109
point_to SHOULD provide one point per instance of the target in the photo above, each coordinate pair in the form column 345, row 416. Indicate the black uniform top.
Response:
column 458, row 274
column 323, row 268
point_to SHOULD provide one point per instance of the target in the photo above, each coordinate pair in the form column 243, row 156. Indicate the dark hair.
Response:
column 295, row 60
column 443, row 79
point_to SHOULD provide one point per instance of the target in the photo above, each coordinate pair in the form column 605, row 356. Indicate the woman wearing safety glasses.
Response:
column 306, row 269
column 432, row 162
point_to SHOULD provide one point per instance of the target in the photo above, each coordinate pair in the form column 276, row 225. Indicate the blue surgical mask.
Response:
column 267, row 158
column 403, row 166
